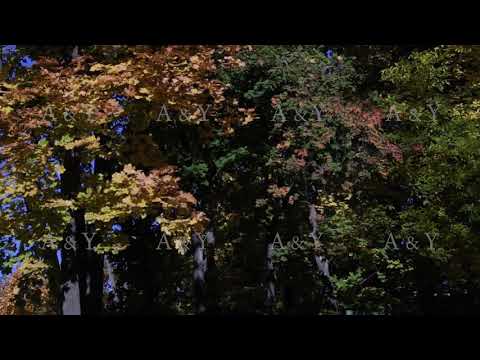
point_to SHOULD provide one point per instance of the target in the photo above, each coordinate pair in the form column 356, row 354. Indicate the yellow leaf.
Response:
column 59, row 168
column 7, row 110
column 97, row 67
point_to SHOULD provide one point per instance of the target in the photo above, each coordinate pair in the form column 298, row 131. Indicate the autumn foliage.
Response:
column 224, row 150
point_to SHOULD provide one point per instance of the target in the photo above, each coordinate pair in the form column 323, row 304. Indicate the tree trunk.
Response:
column 321, row 261
column 111, row 279
column 270, row 277
column 199, row 274
column 211, row 275
column 82, row 273
column 69, row 301
column 81, row 288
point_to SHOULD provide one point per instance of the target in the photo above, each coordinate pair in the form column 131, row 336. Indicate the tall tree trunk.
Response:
column 111, row 279
column 199, row 274
column 69, row 297
column 69, row 301
column 91, row 273
column 81, row 289
column 82, row 273
column 321, row 261
column 211, row 275
column 270, row 277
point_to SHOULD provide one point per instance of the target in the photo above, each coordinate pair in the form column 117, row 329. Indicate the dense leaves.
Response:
column 262, row 179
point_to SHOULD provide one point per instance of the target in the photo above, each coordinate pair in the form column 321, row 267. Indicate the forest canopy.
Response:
column 215, row 179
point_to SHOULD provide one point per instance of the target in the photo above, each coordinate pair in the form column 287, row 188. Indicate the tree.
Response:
column 259, row 179
column 74, row 163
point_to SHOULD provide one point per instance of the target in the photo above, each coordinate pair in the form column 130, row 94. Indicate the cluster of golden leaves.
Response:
column 132, row 192
column 278, row 191
column 179, row 76
column 26, row 291
column 60, row 108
